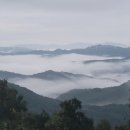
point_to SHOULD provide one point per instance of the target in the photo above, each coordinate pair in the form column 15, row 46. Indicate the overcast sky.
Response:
column 64, row 21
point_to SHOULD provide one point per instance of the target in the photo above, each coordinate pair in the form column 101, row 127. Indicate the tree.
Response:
column 14, row 114
column 103, row 125
column 10, row 101
column 12, row 105
column 70, row 118
column 41, row 120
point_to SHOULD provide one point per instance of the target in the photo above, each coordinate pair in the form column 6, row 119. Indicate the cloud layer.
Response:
column 64, row 22
column 105, row 74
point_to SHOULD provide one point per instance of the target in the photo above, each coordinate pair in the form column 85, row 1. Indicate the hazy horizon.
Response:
column 62, row 46
column 65, row 24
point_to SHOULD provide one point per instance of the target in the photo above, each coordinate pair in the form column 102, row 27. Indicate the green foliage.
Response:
column 103, row 125
column 13, row 111
column 10, row 102
column 41, row 120
column 70, row 118
column 14, row 115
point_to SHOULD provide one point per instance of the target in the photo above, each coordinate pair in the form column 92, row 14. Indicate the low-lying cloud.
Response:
column 55, row 88
column 30, row 64
column 104, row 74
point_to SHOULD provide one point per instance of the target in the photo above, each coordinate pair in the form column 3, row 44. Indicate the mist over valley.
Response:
column 54, row 75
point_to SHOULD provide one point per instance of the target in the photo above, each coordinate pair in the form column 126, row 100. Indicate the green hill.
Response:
column 35, row 102
column 100, row 96
column 115, row 114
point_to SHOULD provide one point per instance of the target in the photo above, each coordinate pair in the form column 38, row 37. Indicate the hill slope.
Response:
column 35, row 102
column 100, row 96
column 8, row 75
column 115, row 114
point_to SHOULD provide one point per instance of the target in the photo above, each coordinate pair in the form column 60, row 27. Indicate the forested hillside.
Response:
column 100, row 96
column 15, row 116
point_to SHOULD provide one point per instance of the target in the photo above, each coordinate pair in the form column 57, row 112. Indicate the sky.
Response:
column 63, row 22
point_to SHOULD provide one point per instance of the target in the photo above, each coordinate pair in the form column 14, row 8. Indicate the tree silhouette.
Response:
column 70, row 118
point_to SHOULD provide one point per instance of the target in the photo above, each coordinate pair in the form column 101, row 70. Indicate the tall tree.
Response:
column 103, row 125
column 70, row 118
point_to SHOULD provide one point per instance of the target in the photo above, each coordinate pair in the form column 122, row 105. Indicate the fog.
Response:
column 104, row 74
column 30, row 64
column 55, row 88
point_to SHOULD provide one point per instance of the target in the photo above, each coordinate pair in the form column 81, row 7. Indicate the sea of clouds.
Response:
column 104, row 74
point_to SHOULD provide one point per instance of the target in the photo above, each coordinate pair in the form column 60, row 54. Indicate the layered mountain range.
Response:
column 109, row 103
column 100, row 50
column 47, row 75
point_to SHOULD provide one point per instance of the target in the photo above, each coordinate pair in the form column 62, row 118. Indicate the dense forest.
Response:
column 15, row 116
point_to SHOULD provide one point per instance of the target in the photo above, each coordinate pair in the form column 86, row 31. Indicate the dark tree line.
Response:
column 15, row 116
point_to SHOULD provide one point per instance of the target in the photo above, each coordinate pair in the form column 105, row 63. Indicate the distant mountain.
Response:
column 47, row 75
column 10, row 75
column 106, row 50
column 99, row 50
column 107, row 61
column 100, row 96
column 14, row 50
column 53, row 75
column 35, row 102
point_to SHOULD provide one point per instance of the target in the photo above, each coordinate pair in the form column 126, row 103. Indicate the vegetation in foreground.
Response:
column 15, row 116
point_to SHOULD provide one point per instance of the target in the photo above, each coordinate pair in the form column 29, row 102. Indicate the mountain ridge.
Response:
column 118, row 60
column 99, row 50
column 100, row 96
column 116, row 114
column 47, row 75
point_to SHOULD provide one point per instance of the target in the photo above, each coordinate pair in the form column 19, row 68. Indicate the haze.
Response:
column 105, row 74
column 63, row 22
column 66, row 24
